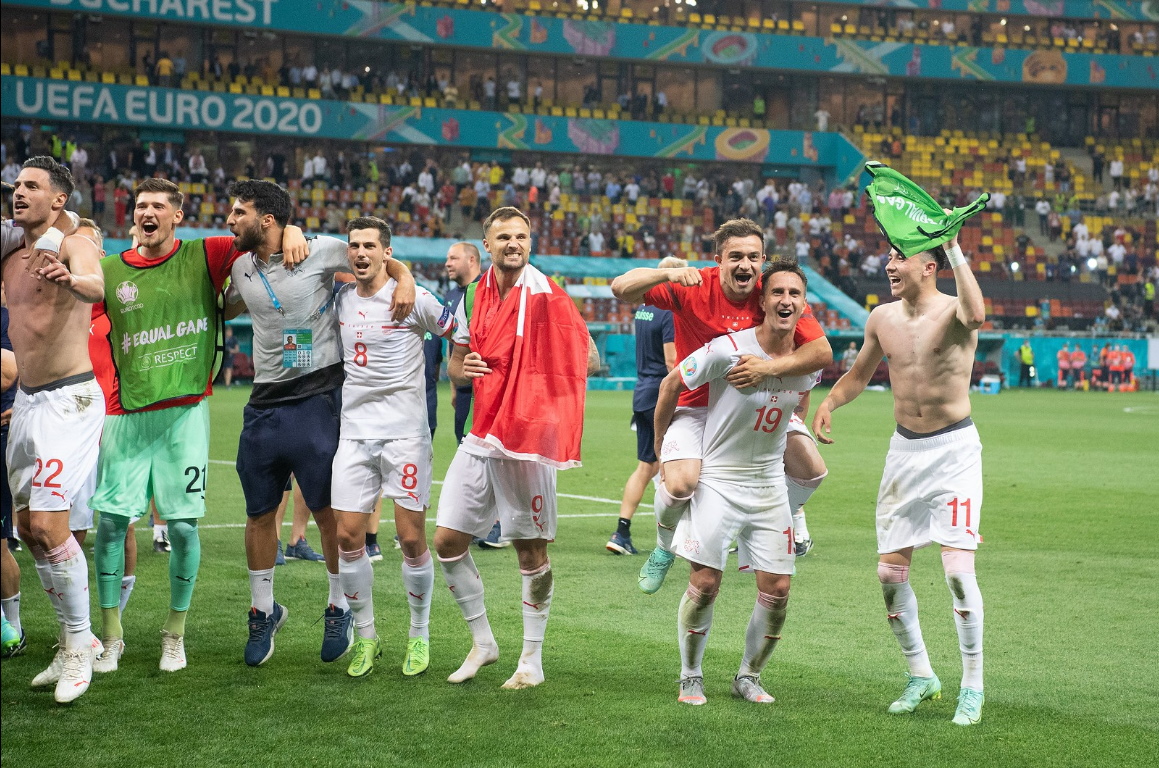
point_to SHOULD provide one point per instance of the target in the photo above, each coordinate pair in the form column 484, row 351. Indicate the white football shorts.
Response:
column 479, row 490
column 685, row 436
column 931, row 492
column 758, row 519
column 53, row 442
column 366, row 470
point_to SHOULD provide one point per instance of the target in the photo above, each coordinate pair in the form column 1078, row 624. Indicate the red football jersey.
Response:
column 702, row 312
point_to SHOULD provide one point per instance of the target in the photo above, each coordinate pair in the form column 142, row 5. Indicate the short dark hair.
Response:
column 782, row 265
column 164, row 186
column 938, row 254
column 59, row 176
column 371, row 222
column 503, row 214
column 267, row 197
column 736, row 228
column 471, row 249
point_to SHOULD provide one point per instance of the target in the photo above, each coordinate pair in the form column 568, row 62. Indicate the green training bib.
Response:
column 164, row 325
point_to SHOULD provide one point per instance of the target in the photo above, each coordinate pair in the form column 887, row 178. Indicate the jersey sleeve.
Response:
column 431, row 316
column 332, row 252
column 808, row 329
column 220, row 255
column 665, row 296
column 462, row 333
column 709, row 362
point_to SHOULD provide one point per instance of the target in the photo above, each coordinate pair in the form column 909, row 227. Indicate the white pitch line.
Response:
column 598, row 499
column 390, row 521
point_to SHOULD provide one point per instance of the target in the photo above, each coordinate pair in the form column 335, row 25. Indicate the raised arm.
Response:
column 971, row 311
column 403, row 300
column 632, row 285
column 853, row 383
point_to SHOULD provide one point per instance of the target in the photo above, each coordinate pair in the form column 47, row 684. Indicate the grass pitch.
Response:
column 1068, row 571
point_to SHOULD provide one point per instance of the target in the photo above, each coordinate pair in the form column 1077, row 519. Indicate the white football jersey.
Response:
column 384, row 396
column 744, row 435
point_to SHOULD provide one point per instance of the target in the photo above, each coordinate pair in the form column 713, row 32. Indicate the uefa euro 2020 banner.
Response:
column 169, row 108
column 677, row 45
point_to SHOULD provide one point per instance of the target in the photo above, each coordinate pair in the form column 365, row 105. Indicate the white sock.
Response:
column 12, row 611
column 668, row 509
column 357, row 575
column 968, row 615
column 799, row 492
column 463, row 580
column 70, row 581
column 336, row 598
column 763, row 632
column 127, row 583
column 418, row 579
column 901, row 606
column 262, row 590
column 160, row 530
column 538, row 588
column 44, row 573
column 694, row 620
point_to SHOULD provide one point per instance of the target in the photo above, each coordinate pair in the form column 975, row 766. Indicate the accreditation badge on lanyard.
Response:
column 297, row 348
column 297, row 343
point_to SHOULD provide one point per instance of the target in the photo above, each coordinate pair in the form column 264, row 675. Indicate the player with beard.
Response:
column 56, row 419
column 291, row 423
column 707, row 303
column 161, row 299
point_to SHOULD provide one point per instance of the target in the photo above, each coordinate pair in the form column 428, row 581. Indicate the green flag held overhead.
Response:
column 909, row 218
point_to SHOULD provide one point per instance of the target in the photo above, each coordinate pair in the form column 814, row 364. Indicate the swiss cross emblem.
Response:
column 358, row 334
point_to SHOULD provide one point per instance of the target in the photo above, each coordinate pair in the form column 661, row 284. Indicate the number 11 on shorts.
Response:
column 964, row 506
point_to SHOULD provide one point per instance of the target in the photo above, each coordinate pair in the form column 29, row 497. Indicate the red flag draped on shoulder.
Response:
column 531, row 405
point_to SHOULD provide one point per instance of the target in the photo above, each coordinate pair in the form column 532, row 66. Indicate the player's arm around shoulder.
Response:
column 77, row 269
column 856, row 379
column 633, row 284
column 403, row 301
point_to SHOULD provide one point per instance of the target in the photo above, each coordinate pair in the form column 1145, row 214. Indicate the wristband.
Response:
column 50, row 241
column 955, row 255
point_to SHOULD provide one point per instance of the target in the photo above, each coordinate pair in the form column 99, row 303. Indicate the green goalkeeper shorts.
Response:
column 160, row 455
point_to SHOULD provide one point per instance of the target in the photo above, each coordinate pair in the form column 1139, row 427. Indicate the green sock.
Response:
column 111, row 623
column 184, row 561
column 175, row 624
column 109, row 560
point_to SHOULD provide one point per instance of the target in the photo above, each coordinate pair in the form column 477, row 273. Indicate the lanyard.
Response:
column 278, row 305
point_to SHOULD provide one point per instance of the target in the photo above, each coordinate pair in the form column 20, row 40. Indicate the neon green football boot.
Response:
column 969, row 707
column 917, row 690
column 366, row 651
column 418, row 657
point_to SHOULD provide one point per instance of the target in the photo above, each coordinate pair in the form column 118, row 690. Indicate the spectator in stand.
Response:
column 164, row 70
column 121, row 199
column 100, row 194
column 1116, row 171
column 1042, row 208
column 596, row 243
column 231, row 348
column 514, row 91
column 198, row 170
